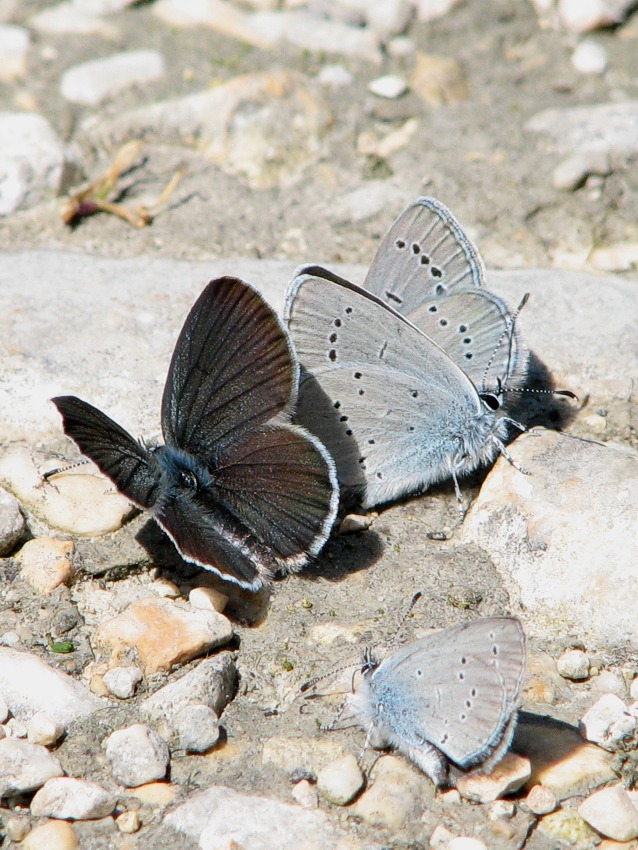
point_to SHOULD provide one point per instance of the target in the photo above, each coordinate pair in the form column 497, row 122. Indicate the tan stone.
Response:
column 46, row 563
column 157, row 633
column 155, row 793
column 395, row 796
column 508, row 776
column 438, row 80
column 53, row 835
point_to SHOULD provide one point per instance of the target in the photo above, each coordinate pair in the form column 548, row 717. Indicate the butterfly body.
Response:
column 450, row 697
column 237, row 487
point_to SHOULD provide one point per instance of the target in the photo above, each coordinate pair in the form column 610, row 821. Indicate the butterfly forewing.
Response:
column 375, row 388
column 111, row 448
column 456, row 688
column 231, row 371
column 424, row 255
column 281, row 482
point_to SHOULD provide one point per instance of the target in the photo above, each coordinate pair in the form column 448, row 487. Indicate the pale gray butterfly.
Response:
column 449, row 697
column 428, row 270
column 393, row 408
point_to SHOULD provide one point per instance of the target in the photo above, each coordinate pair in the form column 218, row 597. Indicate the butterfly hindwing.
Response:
column 281, row 483
column 424, row 255
column 111, row 448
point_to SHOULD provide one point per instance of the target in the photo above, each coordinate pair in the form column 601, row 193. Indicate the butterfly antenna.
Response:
column 402, row 621
column 508, row 333
column 58, row 470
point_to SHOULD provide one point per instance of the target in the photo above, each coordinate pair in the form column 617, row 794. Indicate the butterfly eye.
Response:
column 491, row 400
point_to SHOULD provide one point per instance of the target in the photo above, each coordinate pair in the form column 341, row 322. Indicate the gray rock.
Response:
column 573, row 171
column 608, row 127
column 573, row 664
column 263, row 128
column 25, row 767
column 608, row 723
column 219, row 815
column 14, row 46
column 563, row 537
column 612, row 813
column 197, row 726
column 137, row 755
column 592, row 358
column 91, row 83
column 72, row 799
column 32, row 159
column 122, row 681
column 66, row 18
column 12, row 523
column 29, row 685
column 212, row 683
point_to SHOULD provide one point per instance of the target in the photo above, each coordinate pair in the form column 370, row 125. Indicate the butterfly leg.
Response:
column 508, row 457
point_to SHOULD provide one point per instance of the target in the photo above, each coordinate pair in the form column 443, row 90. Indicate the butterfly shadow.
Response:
column 250, row 608
column 538, row 405
column 343, row 555
column 545, row 741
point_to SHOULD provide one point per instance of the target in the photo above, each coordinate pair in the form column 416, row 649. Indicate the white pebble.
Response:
column 502, row 810
column 607, row 723
column 129, row 822
column 207, row 599
column 633, row 689
column 305, row 793
column 90, row 83
column 573, row 171
column 25, row 767
column 31, row 161
column 589, row 57
column 72, row 799
column 581, row 16
column 334, row 76
column 15, row 728
column 611, row 813
column 4, row 710
column 14, row 45
column 44, row 729
column 198, row 728
column 389, row 86
column 466, row 842
column 341, row 780
column 122, row 681
column 573, row 664
column 137, row 755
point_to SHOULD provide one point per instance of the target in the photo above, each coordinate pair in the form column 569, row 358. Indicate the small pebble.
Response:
column 198, row 728
column 608, row 723
column 155, row 793
column 440, row 838
column 4, row 710
column 16, row 828
column 12, row 525
column 573, row 171
column 611, row 812
column 46, row 563
column 633, row 689
column 129, row 822
column 353, row 523
column 122, row 681
column 589, row 57
column 14, row 48
column 72, row 799
column 53, row 835
column 44, row 729
column 305, row 793
column 334, row 76
column 91, row 83
column 341, row 780
column 208, row 599
column 508, row 776
column 541, row 800
column 25, row 767
column 395, row 795
column 167, row 589
column 580, row 16
column 15, row 728
column 573, row 664
column 390, row 86
column 501, row 810
column 137, row 755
